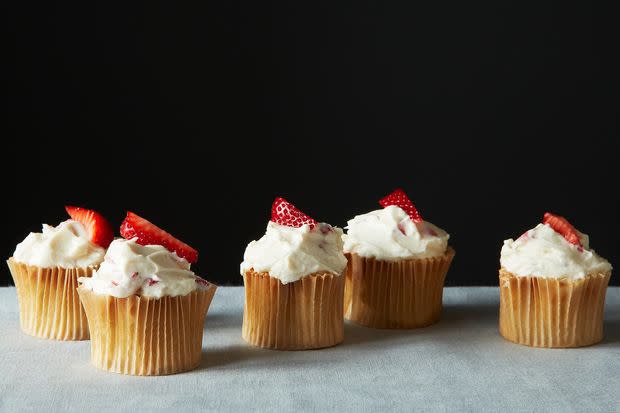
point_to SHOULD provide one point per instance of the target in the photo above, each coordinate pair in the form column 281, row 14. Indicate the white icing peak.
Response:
column 542, row 252
column 390, row 234
column 148, row 270
column 289, row 253
column 67, row 245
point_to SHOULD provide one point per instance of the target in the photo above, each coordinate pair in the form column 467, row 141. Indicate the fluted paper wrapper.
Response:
column 305, row 314
column 552, row 312
column 395, row 294
column 146, row 336
column 49, row 306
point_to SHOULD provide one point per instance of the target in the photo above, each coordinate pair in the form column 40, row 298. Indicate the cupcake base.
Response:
column 395, row 294
column 146, row 336
column 49, row 305
column 552, row 312
column 305, row 314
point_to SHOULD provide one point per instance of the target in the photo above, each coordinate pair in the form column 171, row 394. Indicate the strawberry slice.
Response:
column 562, row 227
column 98, row 228
column 400, row 199
column 150, row 234
column 285, row 213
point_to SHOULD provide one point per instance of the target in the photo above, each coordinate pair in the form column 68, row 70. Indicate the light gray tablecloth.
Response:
column 460, row 364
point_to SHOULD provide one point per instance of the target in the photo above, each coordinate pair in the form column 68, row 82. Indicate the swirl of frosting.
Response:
column 543, row 252
column 67, row 246
column 389, row 234
column 289, row 253
column 148, row 270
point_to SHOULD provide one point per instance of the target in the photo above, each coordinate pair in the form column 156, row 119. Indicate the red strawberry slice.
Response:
column 150, row 234
column 285, row 213
column 400, row 199
column 562, row 227
column 98, row 228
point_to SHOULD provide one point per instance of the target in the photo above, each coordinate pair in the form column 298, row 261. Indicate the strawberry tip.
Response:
column 285, row 213
column 561, row 225
column 400, row 199
column 99, row 229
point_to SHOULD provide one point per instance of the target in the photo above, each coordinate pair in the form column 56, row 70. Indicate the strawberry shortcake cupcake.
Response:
column 45, row 268
column 145, row 307
column 293, row 279
column 397, row 266
column 552, row 287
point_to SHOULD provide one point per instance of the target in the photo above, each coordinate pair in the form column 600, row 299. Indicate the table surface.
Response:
column 459, row 364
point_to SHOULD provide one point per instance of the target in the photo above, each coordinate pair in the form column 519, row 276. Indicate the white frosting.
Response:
column 148, row 270
column 67, row 246
column 542, row 252
column 389, row 234
column 289, row 253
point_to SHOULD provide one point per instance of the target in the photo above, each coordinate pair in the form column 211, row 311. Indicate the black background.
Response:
column 196, row 117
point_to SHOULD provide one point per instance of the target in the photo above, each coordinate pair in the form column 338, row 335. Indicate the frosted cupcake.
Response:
column 293, row 283
column 397, row 266
column 552, row 287
column 46, row 267
column 145, row 307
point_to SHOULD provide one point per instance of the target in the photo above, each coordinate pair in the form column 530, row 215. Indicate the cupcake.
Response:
column 46, row 267
column 293, row 283
column 552, row 287
column 397, row 266
column 145, row 307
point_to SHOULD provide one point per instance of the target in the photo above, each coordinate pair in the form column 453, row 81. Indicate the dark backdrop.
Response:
column 488, row 114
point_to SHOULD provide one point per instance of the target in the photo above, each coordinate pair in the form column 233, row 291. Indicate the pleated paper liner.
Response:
column 395, row 294
column 49, row 306
column 305, row 314
column 146, row 336
column 552, row 312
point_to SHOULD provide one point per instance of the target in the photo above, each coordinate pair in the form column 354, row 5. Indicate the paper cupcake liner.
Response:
column 146, row 336
column 552, row 312
column 49, row 306
column 395, row 294
column 301, row 315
